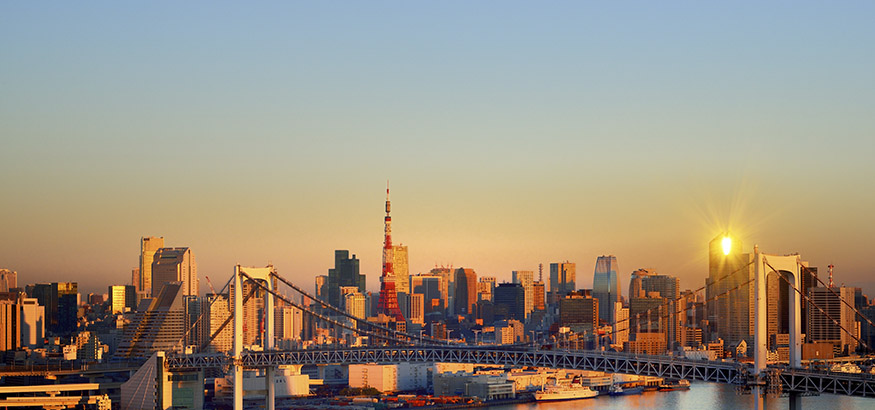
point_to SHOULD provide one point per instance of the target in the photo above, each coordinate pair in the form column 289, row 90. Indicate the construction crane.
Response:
column 209, row 282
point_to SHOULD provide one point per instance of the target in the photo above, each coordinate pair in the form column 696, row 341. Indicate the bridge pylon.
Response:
column 262, row 275
column 780, row 265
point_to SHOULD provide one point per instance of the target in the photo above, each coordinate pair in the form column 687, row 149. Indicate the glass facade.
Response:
column 606, row 286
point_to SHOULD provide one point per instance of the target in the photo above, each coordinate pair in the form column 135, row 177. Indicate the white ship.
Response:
column 571, row 391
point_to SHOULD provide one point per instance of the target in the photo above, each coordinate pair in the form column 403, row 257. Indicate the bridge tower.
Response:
column 261, row 275
column 790, row 267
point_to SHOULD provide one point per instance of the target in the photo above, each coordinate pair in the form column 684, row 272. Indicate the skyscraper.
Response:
column 510, row 299
column 148, row 246
column 538, row 295
column 431, row 287
column 526, row 278
column 606, row 285
column 466, row 291
column 344, row 273
column 61, row 302
column 161, row 327
column 730, row 305
column 562, row 281
column 485, row 288
column 175, row 265
column 122, row 298
column 835, row 303
column 579, row 311
column 8, row 280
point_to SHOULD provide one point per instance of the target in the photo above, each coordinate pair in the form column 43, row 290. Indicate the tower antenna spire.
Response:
column 388, row 303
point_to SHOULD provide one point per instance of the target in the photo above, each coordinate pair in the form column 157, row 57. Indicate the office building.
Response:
column 61, row 302
column 161, row 327
column 579, row 311
column 822, row 326
column 354, row 304
column 606, row 285
column 510, row 299
column 485, row 288
column 729, row 291
column 431, row 287
column 416, row 307
column 175, row 265
column 122, row 298
column 562, row 281
column 253, row 309
column 344, row 273
column 466, row 291
column 8, row 280
column 218, row 311
column 290, row 323
column 322, row 287
column 538, row 296
column 527, row 279
column 148, row 246
column 620, row 325
column 401, row 270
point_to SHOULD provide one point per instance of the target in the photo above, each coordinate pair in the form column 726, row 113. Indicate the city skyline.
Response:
column 513, row 134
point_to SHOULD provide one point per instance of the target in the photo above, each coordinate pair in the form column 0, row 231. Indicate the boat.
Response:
column 681, row 384
column 572, row 391
column 617, row 390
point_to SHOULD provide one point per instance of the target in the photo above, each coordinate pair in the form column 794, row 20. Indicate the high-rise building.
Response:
column 666, row 286
column 8, row 280
column 135, row 280
column 449, row 285
column 485, row 288
column 579, row 311
column 730, row 300
column 416, row 308
column 466, row 291
column 175, row 265
column 620, row 324
column 253, row 309
column 218, row 311
column 636, row 285
column 354, row 304
column 526, row 278
column 510, row 299
column 538, row 296
column 10, row 327
column 61, row 302
column 562, row 281
column 122, row 298
column 161, row 327
column 822, row 326
column 290, row 323
column 606, row 285
column 321, row 289
column 344, row 273
column 431, row 287
column 400, row 268
column 148, row 246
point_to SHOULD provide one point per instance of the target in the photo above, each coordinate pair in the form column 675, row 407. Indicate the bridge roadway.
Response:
column 806, row 382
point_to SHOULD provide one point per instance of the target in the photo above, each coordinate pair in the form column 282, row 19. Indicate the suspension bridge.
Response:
column 393, row 346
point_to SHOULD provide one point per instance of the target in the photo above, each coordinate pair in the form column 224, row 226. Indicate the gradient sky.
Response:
column 513, row 133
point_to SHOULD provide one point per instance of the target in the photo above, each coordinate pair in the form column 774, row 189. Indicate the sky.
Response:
column 512, row 134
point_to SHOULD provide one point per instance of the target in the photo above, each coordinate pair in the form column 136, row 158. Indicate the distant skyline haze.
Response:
column 513, row 134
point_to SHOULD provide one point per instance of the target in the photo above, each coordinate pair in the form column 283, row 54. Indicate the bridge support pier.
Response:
column 260, row 274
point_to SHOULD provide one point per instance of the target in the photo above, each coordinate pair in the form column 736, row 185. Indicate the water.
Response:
column 700, row 396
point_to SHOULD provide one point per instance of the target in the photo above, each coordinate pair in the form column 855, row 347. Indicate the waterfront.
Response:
column 705, row 396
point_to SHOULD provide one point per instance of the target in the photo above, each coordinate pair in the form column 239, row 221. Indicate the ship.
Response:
column 617, row 390
column 681, row 384
column 571, row 391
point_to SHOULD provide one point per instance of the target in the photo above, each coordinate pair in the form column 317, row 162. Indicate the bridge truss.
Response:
column 792, row 380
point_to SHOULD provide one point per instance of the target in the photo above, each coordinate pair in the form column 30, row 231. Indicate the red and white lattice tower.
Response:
column 388, row 304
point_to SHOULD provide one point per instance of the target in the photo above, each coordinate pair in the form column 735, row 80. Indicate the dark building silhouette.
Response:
column 510, row 302
column 344, row 273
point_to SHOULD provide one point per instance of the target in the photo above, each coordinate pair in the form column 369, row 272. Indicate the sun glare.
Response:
column 727, row 245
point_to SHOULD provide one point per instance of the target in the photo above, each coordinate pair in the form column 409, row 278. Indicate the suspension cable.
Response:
column 808, row 299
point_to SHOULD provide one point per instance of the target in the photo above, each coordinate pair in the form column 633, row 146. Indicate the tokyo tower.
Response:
column 388, row 304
